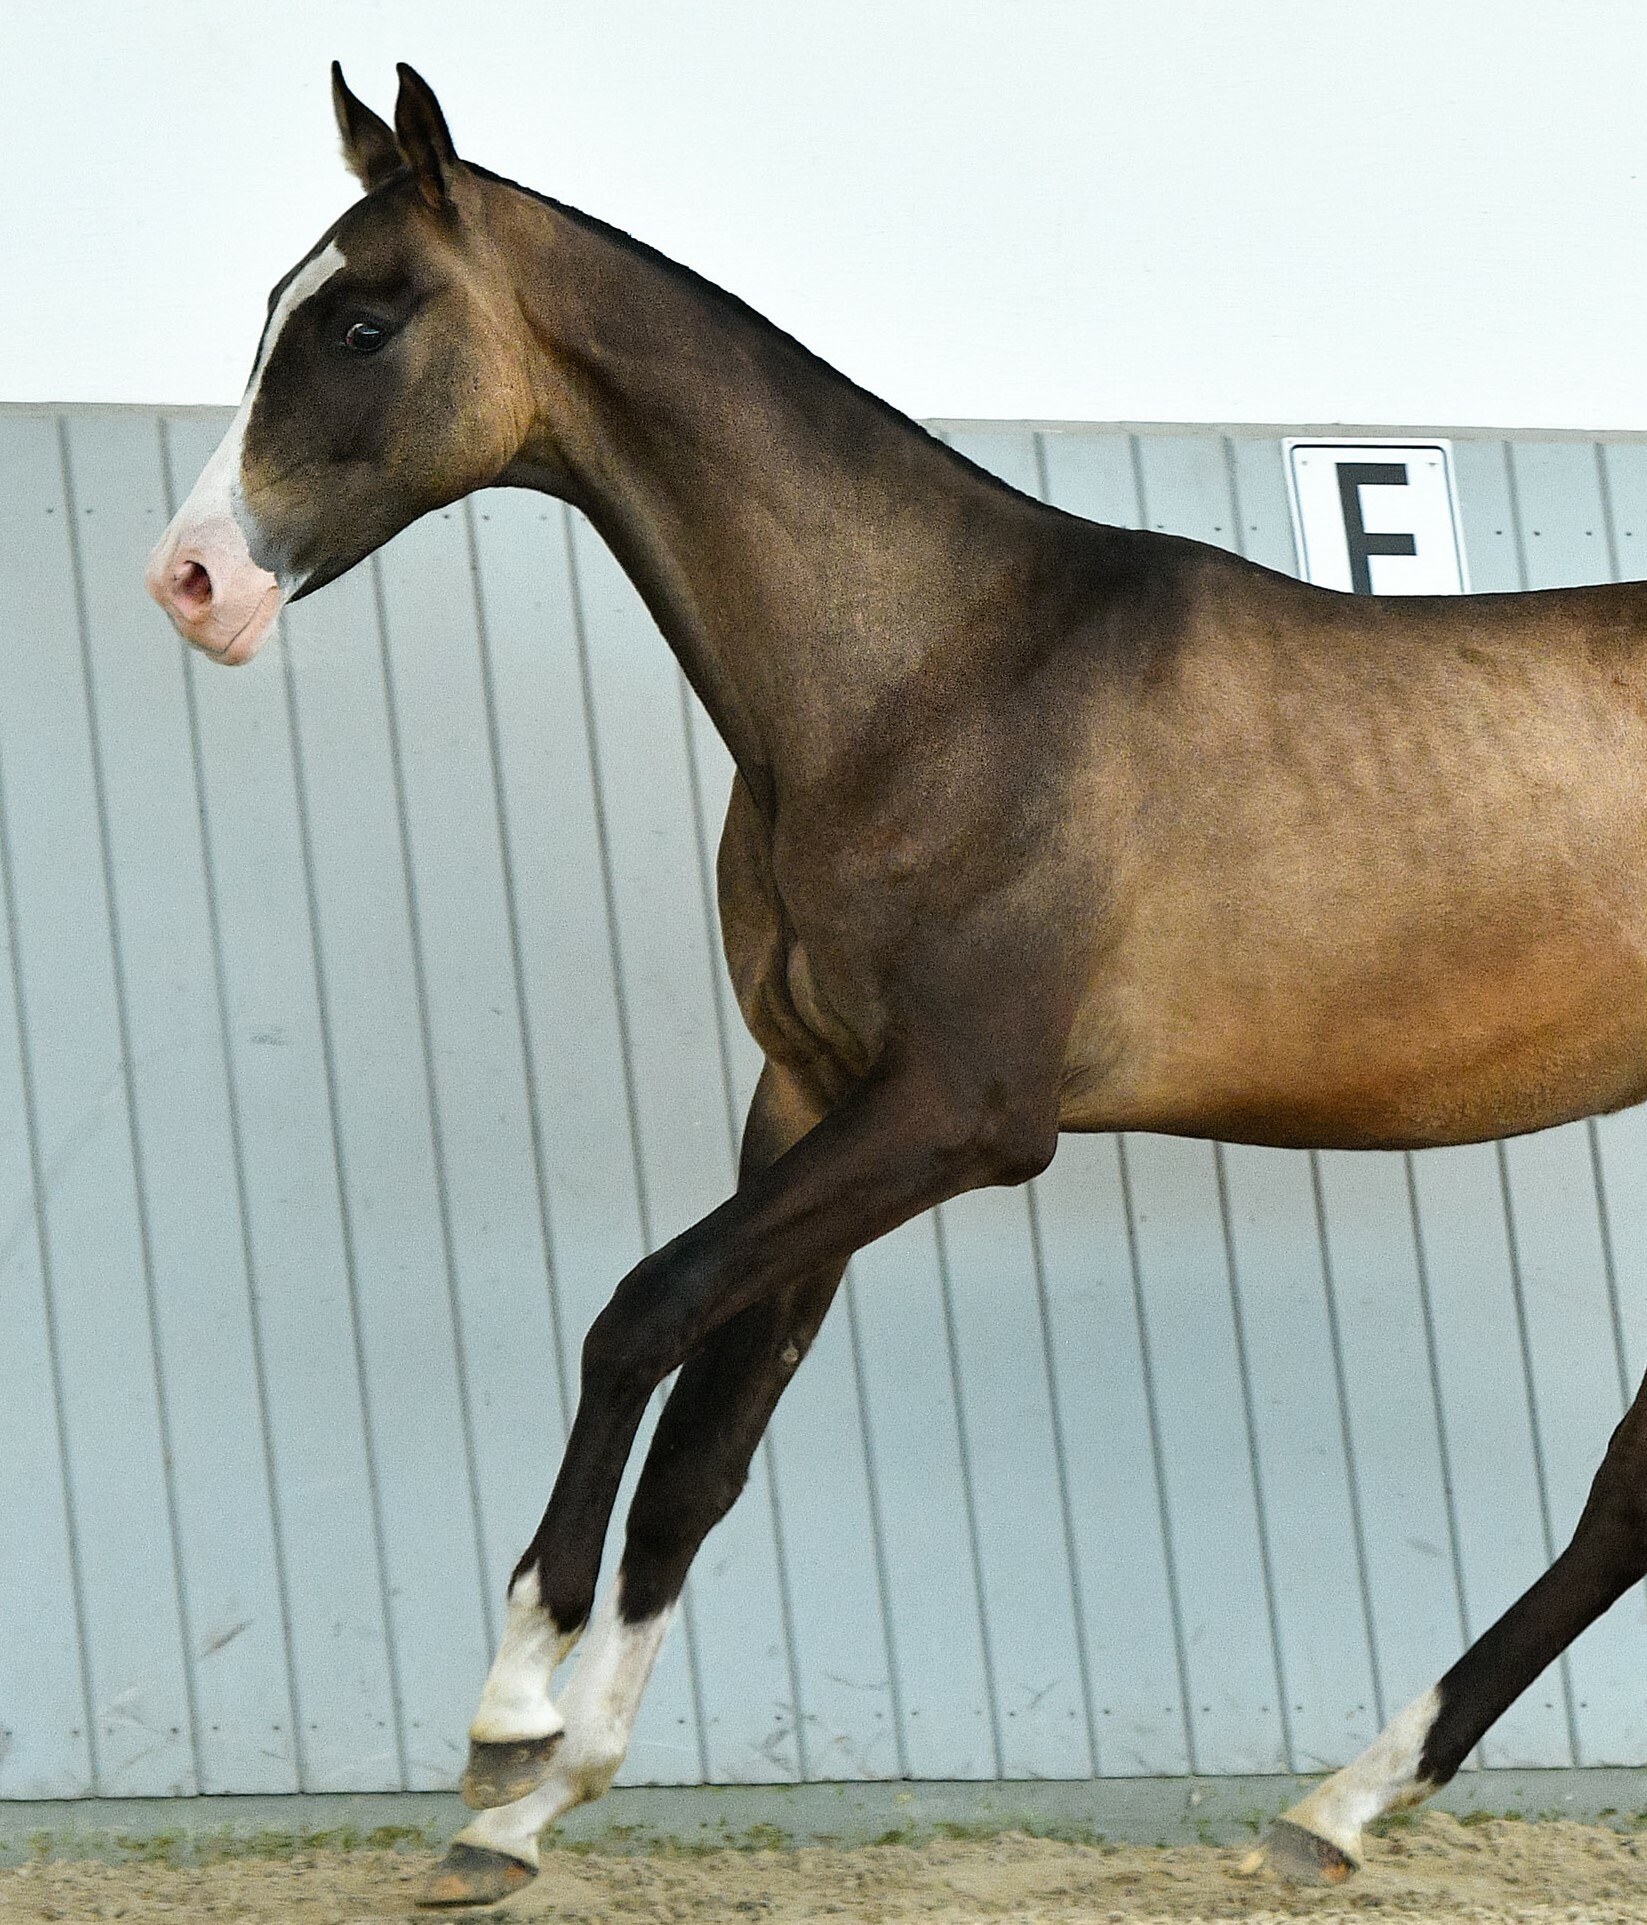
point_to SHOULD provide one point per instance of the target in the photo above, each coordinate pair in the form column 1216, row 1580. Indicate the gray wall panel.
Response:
column 362, row 1021
column 44, row 1685
column 297, row 1229
column 411, row 1356
column 922, row 1473
column 1393, row 1418
column 1492, row 1465
column 72, row 1013
column 183, row 1142
column 1108, row 1429
column 1492, row 540
column 1294, row 1368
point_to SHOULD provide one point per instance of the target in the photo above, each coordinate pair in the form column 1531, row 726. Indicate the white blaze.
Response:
column 202, row 572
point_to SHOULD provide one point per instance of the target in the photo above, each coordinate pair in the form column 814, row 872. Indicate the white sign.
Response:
column 1376, row 517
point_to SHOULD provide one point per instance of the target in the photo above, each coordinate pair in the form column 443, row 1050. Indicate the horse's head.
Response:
column 393, row 376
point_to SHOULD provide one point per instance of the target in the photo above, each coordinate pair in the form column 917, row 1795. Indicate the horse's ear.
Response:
column 420, row 127
column 370, row 150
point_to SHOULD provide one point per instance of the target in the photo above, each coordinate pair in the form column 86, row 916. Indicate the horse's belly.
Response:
column 1415, row 1053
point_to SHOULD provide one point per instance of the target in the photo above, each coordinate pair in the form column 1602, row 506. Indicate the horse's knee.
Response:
column 632, row 1344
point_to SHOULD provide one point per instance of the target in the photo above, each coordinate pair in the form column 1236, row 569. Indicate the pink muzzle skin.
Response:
column 220, row 601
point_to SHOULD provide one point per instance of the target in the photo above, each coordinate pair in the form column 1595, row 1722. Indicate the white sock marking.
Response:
column 515, row 1701
column 599, row 1705
column 1384, row 1778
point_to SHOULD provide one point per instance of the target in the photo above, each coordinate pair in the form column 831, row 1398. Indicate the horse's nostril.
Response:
column 191, row 587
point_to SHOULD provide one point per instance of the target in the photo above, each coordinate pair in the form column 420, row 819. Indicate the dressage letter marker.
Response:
column 1376, row 517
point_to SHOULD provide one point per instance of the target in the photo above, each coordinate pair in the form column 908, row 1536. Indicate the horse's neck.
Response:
column 804, row 548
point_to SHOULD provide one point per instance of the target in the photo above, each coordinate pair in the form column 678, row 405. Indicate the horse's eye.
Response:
column 365, row 337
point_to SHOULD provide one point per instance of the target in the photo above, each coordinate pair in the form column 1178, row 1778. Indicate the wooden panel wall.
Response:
column 362, row 1020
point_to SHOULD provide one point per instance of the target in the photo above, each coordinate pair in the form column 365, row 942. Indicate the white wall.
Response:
column 1424, row 211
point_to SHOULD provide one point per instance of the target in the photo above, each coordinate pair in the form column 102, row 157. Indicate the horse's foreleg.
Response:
column 517, row 1725
column 1321, row 1837
column 897, row 1144
column 696, row 1467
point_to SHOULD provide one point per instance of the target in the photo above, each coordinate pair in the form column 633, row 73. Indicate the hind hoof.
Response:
column 1305, row 1857
column 474, row 1875
column 498, row 1774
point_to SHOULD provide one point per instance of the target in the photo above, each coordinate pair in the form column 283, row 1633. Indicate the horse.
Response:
column 1037, row 825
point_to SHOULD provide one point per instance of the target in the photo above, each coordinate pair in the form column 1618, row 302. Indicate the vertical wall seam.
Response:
column 1043, row 475
column 523, row 1016
column 877, row 1529
column 1163, row 1501
column 237, row 1155
column 1609, row 1264
column 1432, row 1354
column 969, row 1495
column 1513, row 488
column 345, row 1210
column 626, row 1042
column 1604, row 485
column 1534, row 1428
column 431, row 1097
column 1266, row 1558
column 1238, row 527
column 1060, row 1458
column 48, row 1295
column 122, row 1009
column 1352, row 1474
column 786, row 1610
column 711, row 922
column 1135, row 450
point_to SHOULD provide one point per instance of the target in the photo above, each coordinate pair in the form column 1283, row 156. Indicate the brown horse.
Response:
column 1038, row 825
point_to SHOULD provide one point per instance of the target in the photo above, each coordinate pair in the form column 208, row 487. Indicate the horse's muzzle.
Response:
column 219, row 600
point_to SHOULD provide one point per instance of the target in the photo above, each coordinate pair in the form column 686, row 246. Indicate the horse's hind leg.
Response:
column 1321, row 1837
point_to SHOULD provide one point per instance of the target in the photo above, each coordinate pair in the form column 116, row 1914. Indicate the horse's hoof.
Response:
column 474, row 1875
column 498, row 1774
column 1305, row 1857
